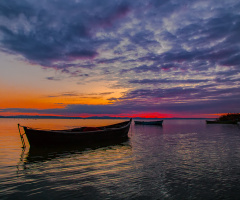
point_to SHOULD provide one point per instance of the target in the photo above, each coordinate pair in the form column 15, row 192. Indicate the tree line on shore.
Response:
column 230, row 117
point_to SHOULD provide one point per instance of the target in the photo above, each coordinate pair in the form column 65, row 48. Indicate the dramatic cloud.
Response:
column 169, row 55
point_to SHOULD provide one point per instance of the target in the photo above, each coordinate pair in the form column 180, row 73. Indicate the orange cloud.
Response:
column 13, row 98
column 78, row 100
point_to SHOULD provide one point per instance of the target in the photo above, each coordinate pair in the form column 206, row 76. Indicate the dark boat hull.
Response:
column 116, row 132
column 221, row 122
column 149, row 122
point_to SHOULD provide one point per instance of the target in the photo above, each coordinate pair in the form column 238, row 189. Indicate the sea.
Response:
column 182, row 159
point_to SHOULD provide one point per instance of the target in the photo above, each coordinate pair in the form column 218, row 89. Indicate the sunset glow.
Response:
column 122, row 58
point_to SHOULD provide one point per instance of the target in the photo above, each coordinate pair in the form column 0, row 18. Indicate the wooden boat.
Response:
column 82, row 135
column 159, row 122
column 220, row 122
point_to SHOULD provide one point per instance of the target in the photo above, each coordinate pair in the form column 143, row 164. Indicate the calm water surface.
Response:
column 183, row 159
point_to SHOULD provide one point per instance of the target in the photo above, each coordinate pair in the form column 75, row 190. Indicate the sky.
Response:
column 124, row 58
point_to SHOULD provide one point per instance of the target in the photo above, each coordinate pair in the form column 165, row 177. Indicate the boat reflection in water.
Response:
column 75, row 172
column 41, row 154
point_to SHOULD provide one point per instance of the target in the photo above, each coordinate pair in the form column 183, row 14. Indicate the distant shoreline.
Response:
column 104, row 117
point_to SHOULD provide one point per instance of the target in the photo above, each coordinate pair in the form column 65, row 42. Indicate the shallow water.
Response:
column 183, row 159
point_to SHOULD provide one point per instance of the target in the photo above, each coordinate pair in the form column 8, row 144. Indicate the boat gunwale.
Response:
column 69, row 132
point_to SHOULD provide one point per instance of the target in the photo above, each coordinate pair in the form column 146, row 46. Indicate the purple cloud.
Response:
column 159, row 50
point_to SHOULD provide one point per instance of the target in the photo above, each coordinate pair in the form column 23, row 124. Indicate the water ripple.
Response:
column 180, row 160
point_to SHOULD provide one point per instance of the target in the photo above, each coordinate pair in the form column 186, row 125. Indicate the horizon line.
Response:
column 94, row 117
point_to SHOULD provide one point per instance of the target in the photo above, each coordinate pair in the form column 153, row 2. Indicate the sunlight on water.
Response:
column 183, row 159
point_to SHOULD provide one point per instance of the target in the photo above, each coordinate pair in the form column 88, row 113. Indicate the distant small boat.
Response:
column 159, row 122
column 220, row 122
column 82, row 135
